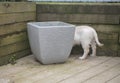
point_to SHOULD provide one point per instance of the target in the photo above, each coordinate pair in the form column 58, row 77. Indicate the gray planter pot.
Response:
column 51, row 42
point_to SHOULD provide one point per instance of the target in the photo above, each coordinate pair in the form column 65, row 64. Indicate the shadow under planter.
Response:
column 51, row 42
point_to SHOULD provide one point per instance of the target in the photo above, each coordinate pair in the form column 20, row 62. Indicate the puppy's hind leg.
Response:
column 86, row 51
column 93, row 46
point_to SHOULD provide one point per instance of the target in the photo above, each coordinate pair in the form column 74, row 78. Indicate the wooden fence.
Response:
column 76, row 0
column 13, row 35
column 104, row 17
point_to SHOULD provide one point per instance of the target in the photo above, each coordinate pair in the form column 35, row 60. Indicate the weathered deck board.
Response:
column 73, row 70
column 106, row 75
column 53, row 71
column 83, row 76
column 115, row 80
column 92, row 70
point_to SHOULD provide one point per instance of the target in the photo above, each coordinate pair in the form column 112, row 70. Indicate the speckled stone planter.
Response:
column 51, row 42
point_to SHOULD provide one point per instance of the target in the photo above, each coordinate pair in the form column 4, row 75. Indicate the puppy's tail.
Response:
column 96, row 39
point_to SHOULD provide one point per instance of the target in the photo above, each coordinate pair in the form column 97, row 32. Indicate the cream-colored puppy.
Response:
column 87, row 37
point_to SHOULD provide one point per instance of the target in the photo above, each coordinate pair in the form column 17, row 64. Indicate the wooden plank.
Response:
column 106, row 28
column 119, row 53
column 92, row 72
column 10, row 39
column 109, row 41
column 119, row 39
column 79, row 18
column 78, row 8
column 110, row 45
column 109, row 36
column 44, row 71
column 24, row 66
column 115, row 80
column 109, row 49
column 11, row 7
column 5, row 50
column 26, row 75
column 30, row 71
column 106, row 75
column 107, row 52
column 16, row 17
column 66, row 73
column 12, row 28
column 5, row 59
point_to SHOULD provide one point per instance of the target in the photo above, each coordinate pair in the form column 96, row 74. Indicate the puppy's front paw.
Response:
column 82, row 58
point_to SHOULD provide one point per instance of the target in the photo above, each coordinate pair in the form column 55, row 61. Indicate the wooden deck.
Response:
column 92, row 70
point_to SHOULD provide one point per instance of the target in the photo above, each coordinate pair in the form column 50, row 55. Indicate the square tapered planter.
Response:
column 51, row 42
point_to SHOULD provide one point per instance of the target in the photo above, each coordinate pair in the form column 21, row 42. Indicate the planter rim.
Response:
column 55, row 24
